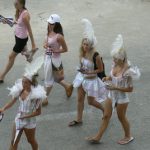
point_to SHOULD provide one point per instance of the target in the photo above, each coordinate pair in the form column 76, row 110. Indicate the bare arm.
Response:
column 45, row 44
column 128, row 89
column 63, row 44
column 26, row 20
column 8, row 105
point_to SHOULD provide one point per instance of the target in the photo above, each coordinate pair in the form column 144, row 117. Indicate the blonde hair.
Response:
column 90, row 53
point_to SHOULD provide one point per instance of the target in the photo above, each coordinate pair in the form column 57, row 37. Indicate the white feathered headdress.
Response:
column 33, row 67
column 30, row 70
column 89, row 32
column 118, row 50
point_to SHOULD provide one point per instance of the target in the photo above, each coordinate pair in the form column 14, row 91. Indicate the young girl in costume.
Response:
column 87, row 80
column 29, row 94
column 119, row 83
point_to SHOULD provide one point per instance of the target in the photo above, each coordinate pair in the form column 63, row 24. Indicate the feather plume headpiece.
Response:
column 89, row 32
column 32, row 68
column 118, row 50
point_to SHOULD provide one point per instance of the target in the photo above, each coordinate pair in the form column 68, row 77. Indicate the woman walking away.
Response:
column 87, row 80
column 22, row 29
column 119, row 83
column 55, row 45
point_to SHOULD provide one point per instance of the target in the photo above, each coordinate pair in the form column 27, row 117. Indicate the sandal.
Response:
column 74, row 123
column 125, row 141
column 1, row 116
column 30, row 55
column 92, row 141
column 1, row 81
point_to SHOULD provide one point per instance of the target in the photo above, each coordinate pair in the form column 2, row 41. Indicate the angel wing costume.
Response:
column 32, row 101
column 126, row 78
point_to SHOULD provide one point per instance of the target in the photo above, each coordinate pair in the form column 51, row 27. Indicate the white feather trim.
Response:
column 33, row 67
column 89, row 32
column 134, row 72
column 38, row 92
column 16, row 89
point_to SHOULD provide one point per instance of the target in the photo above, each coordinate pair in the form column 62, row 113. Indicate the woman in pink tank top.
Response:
column 55, row 45
column 22, row 30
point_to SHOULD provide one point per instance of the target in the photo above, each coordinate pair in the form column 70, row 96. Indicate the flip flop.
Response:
column 124, row 141
column 1, row 81
column 1, row 116
column 74, row 123
column 30, row 55
column 92, row 141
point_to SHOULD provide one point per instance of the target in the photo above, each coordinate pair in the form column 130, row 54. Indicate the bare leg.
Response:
column 93, row 102
column 68, row 87
column 48, row 90
column 12, row 145
column 105, row 121
column 121, row 111
column 9, row 65
column 30, row 134
column 80, row 107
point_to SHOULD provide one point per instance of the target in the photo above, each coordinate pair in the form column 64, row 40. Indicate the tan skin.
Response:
column 13, row 55
column 63, row 49
column 30, row 133
column 81, row 93
column 118, row 69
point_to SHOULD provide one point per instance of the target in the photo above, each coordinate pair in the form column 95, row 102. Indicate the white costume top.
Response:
column 124, row 81
column 27, row 106
column 120, row 81
column 93, row 87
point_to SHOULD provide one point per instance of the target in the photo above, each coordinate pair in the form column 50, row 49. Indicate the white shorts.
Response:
column 30, row 126
column 48, row 73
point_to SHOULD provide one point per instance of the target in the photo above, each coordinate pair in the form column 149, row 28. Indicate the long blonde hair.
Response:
column 90, row 53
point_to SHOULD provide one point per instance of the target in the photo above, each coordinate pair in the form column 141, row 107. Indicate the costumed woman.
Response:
column 119, row 83
column 87, row 81
column 29, row 94
column 55, row 45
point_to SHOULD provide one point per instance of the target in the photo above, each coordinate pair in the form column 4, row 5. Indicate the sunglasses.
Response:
column 1, row 116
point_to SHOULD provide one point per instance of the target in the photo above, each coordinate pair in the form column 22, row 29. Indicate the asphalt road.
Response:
column 109, row 17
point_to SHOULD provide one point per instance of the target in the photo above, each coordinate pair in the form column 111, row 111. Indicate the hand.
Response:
column 22, row 117
column 111, row 87
column 105, row 79
column 4, row 21
column 84, row 71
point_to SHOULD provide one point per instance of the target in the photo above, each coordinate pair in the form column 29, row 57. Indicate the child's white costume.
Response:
column 93, row 87
column 125, row 79
column 33, row 100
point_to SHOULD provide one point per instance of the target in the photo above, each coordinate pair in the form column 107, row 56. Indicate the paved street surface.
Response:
column 131, row 18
